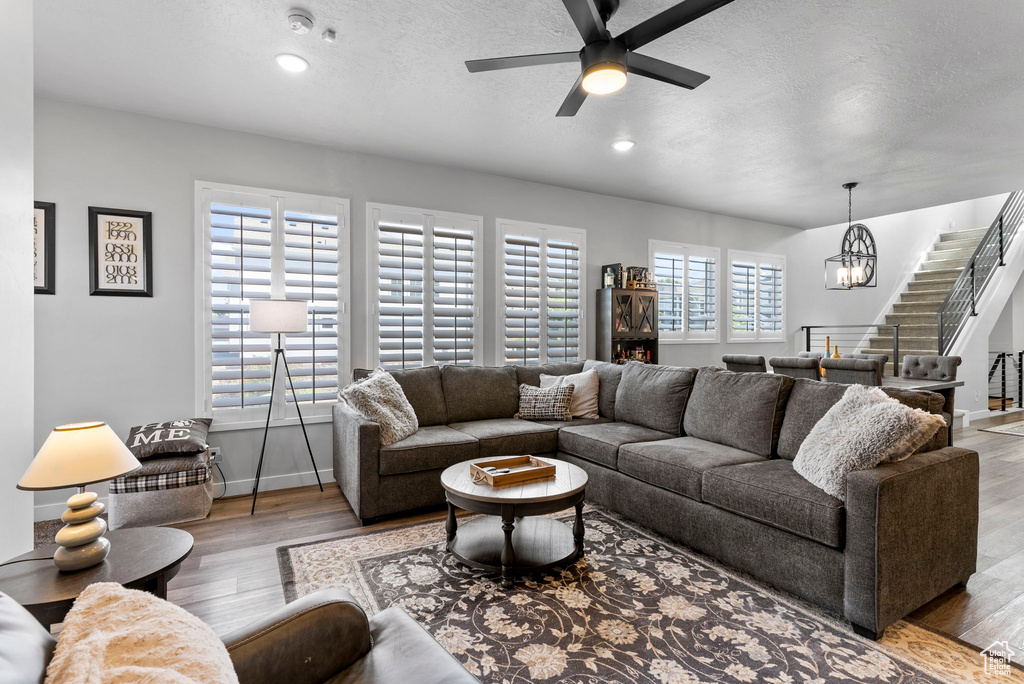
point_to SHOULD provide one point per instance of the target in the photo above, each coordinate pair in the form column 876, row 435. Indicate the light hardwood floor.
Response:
column 232, row 576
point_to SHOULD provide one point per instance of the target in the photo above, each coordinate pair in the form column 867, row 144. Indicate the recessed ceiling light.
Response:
column 623, row 145
column 290, row 62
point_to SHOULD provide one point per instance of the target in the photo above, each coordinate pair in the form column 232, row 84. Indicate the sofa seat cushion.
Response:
column 429, row 448
column 575, row 422
column 678, row 465
column 600, row 442
column 773, row 493
column 510, row 436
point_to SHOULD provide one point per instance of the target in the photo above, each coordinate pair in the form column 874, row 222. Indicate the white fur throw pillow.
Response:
column 863, row 429
column 381, row 399
column 114, row 635
column 584, row 396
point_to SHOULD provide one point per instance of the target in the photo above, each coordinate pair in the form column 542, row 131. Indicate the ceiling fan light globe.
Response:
column 604, row 79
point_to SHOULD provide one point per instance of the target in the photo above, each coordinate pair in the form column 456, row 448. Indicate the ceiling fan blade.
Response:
column 642, row 65
column 668, row 21
column 477, row 65
column 587, row 19
column 574, row 100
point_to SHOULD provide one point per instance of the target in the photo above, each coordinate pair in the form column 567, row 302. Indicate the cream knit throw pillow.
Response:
column 114, row 635
column 863, row 429
column 381, row 399
column 584, row 396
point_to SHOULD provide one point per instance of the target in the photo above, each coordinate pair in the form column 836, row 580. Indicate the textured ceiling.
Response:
column 919, row 100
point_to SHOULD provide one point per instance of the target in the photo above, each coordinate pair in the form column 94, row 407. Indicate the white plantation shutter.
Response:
column 563, row 301
column 540, row 293
column 687, row 278
column 702, row 297
column 240, row 265
column 521, row 306
column 757, row 284
column 425, row 308
column 400, row 295
column 454, row 305
column 311, row 274
column 263, row 244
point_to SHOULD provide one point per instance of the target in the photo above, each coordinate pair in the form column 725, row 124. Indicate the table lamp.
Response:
column 77, row 455
column 279, row 317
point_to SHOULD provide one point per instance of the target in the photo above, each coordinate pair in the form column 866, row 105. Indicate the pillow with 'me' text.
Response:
column 173, row 437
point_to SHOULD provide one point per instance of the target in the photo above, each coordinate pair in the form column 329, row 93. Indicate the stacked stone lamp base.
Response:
column 81, row 540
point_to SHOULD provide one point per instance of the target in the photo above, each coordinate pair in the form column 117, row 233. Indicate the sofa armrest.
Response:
column 309, row 640
column 911, row 534
column 357, row 459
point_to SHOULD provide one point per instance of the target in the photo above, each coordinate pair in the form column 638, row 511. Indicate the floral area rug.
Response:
column 635, row 608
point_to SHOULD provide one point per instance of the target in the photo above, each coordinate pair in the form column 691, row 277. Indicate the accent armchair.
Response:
column 324, row 637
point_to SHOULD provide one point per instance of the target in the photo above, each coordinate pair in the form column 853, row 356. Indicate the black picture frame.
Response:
column 101, row 286
column 49, row 210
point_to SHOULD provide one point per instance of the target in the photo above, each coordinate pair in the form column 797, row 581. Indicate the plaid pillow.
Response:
column 551, row 403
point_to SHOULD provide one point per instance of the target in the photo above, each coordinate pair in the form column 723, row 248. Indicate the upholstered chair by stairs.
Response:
column 934, row 368
column 796, row 367
column 744, row 363
column 853, row 371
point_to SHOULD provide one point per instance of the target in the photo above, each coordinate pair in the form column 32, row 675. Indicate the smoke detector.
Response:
column 300, row 21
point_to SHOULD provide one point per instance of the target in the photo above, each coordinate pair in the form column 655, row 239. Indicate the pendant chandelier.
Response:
column 854, row 266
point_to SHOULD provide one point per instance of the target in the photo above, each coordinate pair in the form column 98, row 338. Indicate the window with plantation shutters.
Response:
column 757, row 288
column 687, row 279
column 425, row 308
column 540, row 286
column 264, row 244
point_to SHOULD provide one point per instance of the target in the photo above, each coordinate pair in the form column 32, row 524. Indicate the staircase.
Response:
column 918, row 308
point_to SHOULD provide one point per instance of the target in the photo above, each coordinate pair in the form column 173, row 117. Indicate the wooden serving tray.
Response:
column 521, row 469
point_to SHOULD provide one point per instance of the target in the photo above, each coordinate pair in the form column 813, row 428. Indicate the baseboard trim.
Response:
column 984, row 413
column 53, row 511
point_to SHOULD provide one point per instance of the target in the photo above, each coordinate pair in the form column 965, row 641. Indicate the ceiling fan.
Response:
column 604, row 60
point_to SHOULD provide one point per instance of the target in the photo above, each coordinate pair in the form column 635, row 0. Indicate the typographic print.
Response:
column 120, row 253
column 39, row 247
column 120, row 250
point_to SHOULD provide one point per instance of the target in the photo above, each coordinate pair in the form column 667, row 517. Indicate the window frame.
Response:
column 758, row 259
column 281, row 202
column 544, row 233
column 373, row 210
column 686, row 251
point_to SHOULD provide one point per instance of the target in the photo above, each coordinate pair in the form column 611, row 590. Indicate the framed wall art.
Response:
column 120, row 252
column 44, row 226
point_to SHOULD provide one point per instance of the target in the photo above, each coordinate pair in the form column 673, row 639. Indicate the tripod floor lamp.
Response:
column 279, row 317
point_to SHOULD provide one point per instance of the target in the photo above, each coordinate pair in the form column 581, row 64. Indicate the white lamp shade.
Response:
column 277, row 315
column 78, row 454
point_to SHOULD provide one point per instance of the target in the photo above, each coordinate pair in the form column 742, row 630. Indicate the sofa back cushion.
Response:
column 479, row 392
column 422, row 387
column 530, row 375
column 609, row 375
column 742, row 410
column 654, row 396
column 810, row 400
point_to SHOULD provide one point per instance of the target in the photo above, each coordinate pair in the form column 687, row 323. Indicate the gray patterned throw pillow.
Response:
column 545, row 404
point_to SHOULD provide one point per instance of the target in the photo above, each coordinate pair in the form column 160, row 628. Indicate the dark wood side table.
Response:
column 506, row 539
column 140, row 558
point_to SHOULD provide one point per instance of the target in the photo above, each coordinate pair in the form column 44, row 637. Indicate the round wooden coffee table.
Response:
column 511, row 538
column 140, row 558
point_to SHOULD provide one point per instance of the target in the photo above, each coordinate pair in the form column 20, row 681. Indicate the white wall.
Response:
column 131, row 360
column 16, row 296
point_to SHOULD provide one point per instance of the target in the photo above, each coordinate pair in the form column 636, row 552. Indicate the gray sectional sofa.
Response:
column 703, row 456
